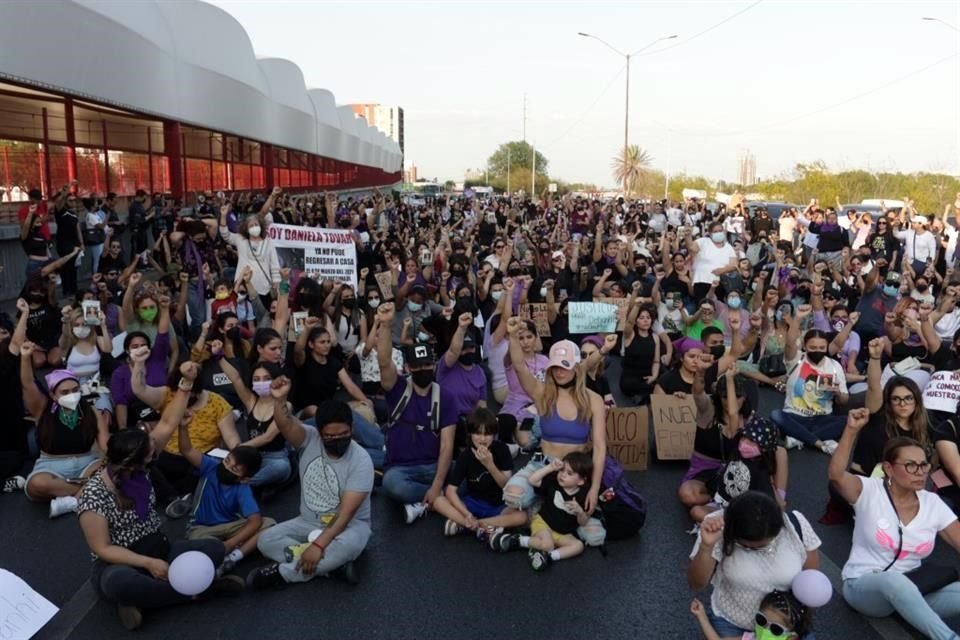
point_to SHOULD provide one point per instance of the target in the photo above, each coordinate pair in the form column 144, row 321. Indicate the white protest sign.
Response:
column 592, row 317
column 942, row 392
column 23, row 611
column 321, row 253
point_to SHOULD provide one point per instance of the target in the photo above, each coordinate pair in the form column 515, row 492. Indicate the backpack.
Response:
column 405, row 400
column 624, row 513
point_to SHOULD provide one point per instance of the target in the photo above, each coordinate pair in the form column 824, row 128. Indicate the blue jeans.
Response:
column 197, row 306
column 370, row 437
column 809, row 429
column 409, row 483
column 275, row 468
column 881, row 594
column 95, row 250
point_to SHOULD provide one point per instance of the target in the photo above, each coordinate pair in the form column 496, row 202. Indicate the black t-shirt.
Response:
column 868, row 452
column 740, row 476
column 12, row 435
column 551, row 509
column 67, row 235
column 317, row 382
column 714, row 444
column 598, row 385
column 480, row 484
column 109, row 263
column 672, row 382
column 43, row 326
column 212, row 378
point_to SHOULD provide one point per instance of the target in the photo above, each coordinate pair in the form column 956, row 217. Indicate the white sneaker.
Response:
column 792, row 443
column 451, row 528
column 16, row 483
column 829, row 446
column 62, row 506
column 414, row 511
column 514, row 449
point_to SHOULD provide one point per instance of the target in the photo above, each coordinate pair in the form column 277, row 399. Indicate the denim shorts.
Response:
column 63, row 467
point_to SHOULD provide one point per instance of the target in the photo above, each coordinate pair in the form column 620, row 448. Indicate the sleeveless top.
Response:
column 562, row 431
column 259, row 427
column 84, row 365
column 638, row 357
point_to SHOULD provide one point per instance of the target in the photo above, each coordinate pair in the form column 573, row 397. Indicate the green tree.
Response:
column 629, row 166
column 521, row 157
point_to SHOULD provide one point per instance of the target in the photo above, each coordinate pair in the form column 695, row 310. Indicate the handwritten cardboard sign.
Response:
column 592, row 317
column 537, row 311
column 623, row 304
column 674, row 426
column 23, row 611
column 627, row 436
column 385, row 282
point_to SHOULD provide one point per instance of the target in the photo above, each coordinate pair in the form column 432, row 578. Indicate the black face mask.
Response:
column 348, row 303
column 422, row 378
column 642, row 270
column 816, row 356
column 337, row 447
column 567, row 385
column 225, row 477
column 922, row 287
column 718, row 351
column 467, row 359
column 233, row 333
column 465, row 304
column 37, row 296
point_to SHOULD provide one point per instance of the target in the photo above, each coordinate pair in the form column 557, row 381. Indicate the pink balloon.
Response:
column 812, row 588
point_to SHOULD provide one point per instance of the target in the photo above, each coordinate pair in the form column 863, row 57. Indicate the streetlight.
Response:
column 626, row 108
column 943, row 22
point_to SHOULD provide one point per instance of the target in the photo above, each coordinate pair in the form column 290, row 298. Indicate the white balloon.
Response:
column 191, row 573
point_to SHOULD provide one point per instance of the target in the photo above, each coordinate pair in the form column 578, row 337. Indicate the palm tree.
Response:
column 629, row 166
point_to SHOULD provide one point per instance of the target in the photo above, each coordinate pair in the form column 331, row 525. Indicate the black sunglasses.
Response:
column 772, row 627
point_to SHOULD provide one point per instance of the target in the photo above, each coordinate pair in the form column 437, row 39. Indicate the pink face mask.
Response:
column 748, row 449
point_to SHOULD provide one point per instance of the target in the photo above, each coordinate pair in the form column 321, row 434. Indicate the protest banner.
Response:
column 623, row 304
column 385, row 283
column 23, row 611
column 537, row 311
column 674, row 425
column 323, row 254
column 627, row 436
column 592, row 317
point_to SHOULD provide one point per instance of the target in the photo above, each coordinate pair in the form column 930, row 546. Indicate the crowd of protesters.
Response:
column 199, row 373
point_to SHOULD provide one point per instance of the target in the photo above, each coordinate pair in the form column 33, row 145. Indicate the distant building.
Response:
column 747, row 169
column 410, row 175
column 388, row 120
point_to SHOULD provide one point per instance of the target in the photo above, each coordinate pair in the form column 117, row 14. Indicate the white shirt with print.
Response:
column 809, row 386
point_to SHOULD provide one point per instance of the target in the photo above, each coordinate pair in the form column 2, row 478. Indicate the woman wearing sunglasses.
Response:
column 746, row 552
column 897, row 523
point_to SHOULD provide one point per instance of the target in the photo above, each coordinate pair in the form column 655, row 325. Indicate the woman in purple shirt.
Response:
column 126, row 405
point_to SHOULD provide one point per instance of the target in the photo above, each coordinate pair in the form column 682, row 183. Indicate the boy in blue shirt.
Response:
column 226, row 508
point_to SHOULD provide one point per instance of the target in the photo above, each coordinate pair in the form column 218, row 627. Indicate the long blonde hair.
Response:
column 547, row 401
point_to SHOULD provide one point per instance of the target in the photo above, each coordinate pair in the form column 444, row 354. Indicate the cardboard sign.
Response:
column 537, row 311
column 627, row 436
column 592, row 317
column 23, row 611
column 674, row 426
column 385, row 282
column 623, row 304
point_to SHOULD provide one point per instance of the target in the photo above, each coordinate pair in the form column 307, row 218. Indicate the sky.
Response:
column 858, row 85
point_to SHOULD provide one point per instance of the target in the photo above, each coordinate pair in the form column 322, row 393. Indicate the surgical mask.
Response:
column 262, row 387
column 414, row 306
column 148, row 315
column 543, row 292
column 337, row 447
column 748, row 449
column 816, row 356
column 222, row 295
column 373, row 303
column 70, row 401
column 733, row 302
column 496, row 295
column 254, row 231
column 81, row 332
column 468, row 359
column 779, row 316
column 58, row 281
column 224, row 475
column 718, row 236
column 890, row 291
column 422, row 336
column 839, row 325
column 422, row 378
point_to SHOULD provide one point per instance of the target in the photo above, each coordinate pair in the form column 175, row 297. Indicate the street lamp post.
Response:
column 626, row 107
column 941, row 21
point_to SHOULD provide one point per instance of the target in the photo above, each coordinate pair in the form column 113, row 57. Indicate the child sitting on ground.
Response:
column 485, row 466
column 226, row 509
column 563, row 486
column 781, row 616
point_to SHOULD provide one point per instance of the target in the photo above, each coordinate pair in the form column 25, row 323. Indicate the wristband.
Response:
column 284, row 287
column 316, row 543
column 185, row 385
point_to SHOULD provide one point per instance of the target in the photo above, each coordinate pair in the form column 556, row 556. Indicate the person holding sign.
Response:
column 572, row 418
column 255, row 250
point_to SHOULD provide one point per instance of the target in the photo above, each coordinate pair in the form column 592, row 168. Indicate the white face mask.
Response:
column 70, row 401
column 254, row 231
column 81, row 332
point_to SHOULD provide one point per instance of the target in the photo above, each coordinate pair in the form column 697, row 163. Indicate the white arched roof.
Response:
column 187, row 61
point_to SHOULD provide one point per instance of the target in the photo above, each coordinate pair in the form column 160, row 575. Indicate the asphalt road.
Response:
column 417, row 584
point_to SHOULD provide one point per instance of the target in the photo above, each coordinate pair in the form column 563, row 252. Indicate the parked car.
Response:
column 774, row 209
column 874, row 210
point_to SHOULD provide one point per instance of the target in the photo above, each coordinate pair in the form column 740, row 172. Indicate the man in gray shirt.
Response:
column 336, row 480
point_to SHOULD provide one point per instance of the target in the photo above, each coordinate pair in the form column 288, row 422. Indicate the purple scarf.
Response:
column 137, row 487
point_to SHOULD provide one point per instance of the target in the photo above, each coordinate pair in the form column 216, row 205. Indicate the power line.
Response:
column 701, row 33
column 593, row 104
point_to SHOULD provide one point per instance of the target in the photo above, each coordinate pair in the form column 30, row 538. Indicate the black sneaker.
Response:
column 504, row 542
column 347, row 572
column 539, row 560
column 265, row 577
column 179, row 507
column 229, row 585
